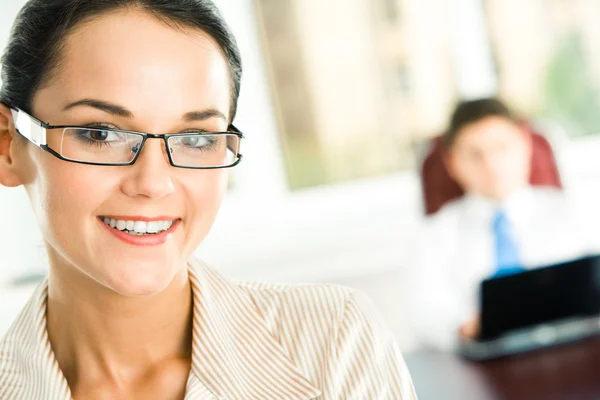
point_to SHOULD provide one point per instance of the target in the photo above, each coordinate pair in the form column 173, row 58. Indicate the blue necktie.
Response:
column 507, row 252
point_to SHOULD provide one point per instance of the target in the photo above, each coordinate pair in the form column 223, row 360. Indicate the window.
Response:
column 351, row 92
column 548, row 62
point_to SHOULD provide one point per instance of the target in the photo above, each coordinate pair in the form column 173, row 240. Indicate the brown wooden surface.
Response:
column 569, row 372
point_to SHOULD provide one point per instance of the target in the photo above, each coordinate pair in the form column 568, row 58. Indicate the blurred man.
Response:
column 501, row 226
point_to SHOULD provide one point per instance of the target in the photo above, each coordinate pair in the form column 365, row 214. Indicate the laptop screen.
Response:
column 542, row 295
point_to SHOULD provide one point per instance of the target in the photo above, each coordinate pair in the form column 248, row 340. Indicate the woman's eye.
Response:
column 195, row 141
column 99, row 135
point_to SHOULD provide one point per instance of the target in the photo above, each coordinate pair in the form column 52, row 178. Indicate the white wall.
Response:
column 473, row 59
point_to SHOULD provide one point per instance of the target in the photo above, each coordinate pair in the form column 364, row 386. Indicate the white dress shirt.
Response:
column 251, row 341
column 454, row 251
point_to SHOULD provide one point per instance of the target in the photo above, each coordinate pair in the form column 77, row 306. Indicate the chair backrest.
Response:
column 439, row 188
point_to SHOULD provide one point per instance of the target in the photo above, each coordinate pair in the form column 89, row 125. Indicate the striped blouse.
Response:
column 251, row 341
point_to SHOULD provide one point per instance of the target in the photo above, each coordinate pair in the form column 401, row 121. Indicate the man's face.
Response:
column 491, row 158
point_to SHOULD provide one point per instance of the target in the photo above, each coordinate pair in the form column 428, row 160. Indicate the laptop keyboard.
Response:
column 531, row 338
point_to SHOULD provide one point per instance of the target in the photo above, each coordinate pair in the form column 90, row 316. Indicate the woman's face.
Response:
column 149, row 76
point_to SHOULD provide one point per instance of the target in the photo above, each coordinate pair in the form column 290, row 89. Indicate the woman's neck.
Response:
column 112, row 337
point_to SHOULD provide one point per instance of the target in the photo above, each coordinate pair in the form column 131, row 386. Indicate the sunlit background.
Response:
column 339, row 101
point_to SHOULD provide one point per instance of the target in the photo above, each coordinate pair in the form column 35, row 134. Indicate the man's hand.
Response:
column 470, row 330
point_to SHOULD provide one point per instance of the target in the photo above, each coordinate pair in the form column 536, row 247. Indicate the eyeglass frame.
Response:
column 38, row 130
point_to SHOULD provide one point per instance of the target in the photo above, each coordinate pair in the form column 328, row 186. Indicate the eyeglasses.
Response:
column 114, row 147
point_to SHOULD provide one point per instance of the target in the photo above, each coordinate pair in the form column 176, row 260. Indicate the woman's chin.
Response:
column 139, row 282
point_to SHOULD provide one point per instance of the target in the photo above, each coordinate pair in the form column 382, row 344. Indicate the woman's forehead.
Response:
column 142, row 62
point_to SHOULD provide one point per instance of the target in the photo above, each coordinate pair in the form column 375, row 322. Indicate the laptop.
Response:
column 537, row 308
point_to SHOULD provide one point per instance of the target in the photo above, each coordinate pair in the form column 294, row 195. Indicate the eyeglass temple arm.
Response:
column 233, row 128
column 29, row 127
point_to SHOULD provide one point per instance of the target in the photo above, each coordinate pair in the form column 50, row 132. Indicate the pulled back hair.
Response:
column 469, row 112
column 36, row 43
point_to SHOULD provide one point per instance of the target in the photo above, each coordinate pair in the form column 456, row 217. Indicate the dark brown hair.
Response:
column 35, row 45
column 469, row 112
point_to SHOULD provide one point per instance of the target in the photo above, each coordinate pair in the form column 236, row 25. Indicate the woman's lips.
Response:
column 151, row 239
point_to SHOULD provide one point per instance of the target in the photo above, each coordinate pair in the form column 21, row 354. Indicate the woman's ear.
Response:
column 8, row 141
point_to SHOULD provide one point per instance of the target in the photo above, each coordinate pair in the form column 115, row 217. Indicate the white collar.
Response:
column 481, row 210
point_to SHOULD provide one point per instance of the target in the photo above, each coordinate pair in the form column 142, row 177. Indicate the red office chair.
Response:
column 439, row 188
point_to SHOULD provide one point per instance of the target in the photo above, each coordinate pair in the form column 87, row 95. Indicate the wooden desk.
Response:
column 570, row 372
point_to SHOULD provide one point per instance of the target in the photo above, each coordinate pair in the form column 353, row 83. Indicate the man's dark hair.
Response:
column 469, row 112
column 36, row 44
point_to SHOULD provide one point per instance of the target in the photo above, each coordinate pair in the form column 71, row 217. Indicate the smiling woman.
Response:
column 116, row 116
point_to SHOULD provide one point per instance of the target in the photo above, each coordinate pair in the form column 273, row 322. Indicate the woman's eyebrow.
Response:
column 204, row 115
column 121, row 111
column 101, row 105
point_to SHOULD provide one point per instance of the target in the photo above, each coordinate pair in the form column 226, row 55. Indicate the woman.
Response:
column 125, row 180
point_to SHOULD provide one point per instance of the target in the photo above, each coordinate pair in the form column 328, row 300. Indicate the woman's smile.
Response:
column 141, row 231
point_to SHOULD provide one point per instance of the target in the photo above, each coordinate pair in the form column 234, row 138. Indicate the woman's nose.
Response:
column 150, row 176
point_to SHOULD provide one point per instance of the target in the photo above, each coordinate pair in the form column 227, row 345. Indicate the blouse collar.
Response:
column 234, row 355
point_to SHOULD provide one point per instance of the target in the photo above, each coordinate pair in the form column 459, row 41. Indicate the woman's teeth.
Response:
column 138, row 227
